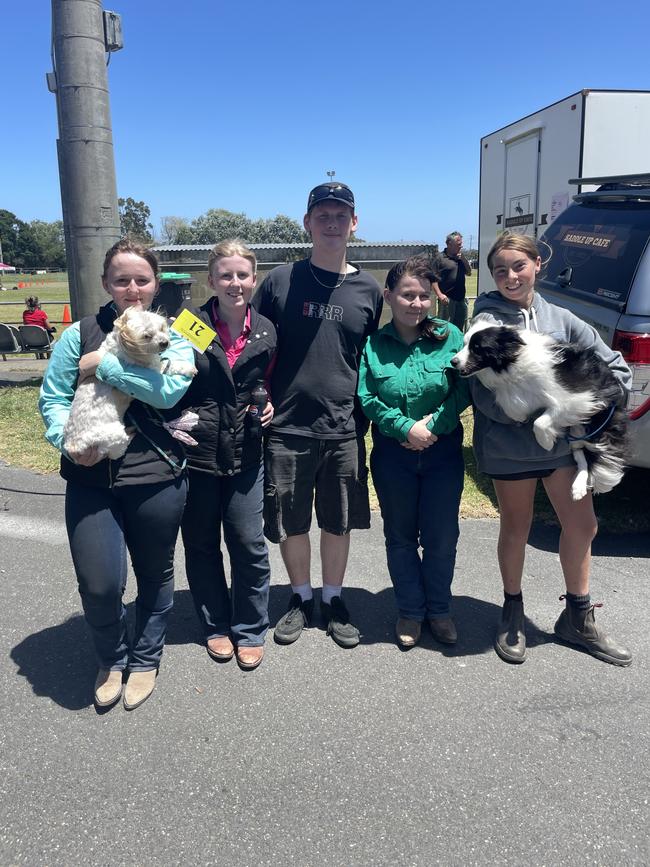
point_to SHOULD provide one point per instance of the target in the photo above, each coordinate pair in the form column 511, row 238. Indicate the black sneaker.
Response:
column 338, row 623
column 291, row 624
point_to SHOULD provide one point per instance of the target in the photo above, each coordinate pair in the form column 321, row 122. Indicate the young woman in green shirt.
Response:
column 413, row 396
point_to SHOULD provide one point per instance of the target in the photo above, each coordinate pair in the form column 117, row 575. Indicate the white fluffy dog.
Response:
column 97, row 414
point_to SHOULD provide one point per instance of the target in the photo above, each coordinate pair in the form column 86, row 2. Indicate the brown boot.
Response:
column 139, row 687
column 108, row 687
column 578, row 626
column 443, row 629
column 407, row 632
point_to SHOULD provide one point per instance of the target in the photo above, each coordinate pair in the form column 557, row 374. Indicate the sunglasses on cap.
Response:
column 331, row 192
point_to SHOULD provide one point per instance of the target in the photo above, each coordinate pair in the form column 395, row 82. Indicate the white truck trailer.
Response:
column 526, row 166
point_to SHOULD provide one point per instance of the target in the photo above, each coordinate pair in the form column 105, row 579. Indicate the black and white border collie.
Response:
column 575, row 390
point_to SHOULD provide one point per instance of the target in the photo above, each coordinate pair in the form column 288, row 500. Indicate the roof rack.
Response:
column 615, row 188
column 640, row 179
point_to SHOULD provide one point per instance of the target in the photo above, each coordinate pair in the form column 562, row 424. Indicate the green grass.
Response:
column 52, row 291
column 22, row 444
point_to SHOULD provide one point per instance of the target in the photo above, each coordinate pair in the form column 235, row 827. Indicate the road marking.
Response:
column 21, row 527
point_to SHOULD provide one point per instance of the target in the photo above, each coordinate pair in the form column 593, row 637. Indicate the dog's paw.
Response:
column 579, row 487
column 181, row 368
column 544, row 434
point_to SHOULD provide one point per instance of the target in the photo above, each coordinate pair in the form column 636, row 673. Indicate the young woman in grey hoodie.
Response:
column 509, row 453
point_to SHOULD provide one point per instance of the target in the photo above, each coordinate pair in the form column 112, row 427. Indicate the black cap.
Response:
column 331, row 193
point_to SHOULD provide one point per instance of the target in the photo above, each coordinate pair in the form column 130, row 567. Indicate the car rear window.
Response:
column 601, row 242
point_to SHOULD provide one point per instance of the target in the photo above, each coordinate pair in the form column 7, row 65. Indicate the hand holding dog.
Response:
column 88, row 364
column 87, row 458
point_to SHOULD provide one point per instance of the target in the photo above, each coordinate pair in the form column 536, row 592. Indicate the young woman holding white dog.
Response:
column 135, row 502
column 409, row 390
column 226, row 468
column 509, row 453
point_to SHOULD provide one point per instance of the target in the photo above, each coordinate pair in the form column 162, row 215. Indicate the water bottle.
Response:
column 259, row 399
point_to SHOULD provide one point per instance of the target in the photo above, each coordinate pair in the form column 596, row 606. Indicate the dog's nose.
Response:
column 163, row 344
column 454, row 361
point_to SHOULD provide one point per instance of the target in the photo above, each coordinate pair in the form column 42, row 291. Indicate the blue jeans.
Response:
column 102, row 524
column 419, row 495
column 235, row 502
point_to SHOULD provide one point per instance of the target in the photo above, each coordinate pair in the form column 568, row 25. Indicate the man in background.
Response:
column 453, row 267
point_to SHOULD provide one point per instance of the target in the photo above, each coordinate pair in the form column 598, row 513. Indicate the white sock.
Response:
column 303, row 590
column 330, row 591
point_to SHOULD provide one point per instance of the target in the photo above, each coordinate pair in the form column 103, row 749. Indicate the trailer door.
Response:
column 522, row 177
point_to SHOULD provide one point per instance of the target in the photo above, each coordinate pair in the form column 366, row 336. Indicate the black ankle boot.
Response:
column 578, row 626
column 510, row 641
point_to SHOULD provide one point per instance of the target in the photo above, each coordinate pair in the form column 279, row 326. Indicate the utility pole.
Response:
column 82, row 34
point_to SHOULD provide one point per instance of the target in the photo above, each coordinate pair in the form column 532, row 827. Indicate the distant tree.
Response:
column 50, row 241
column 176, row 230
column 218, row 224
column 134, row 220
column 19, row 246
column 278, row 230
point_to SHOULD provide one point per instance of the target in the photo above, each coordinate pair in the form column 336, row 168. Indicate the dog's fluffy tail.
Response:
column 606, row 472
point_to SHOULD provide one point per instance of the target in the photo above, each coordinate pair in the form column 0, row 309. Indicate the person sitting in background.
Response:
column 33, row 315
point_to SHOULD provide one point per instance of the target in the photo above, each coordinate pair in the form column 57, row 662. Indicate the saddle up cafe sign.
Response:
column 519, row 207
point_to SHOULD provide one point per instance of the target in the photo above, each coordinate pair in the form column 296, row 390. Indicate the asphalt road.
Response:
column 324, row 756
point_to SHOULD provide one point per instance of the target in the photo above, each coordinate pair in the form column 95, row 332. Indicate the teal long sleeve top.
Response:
column 400, row 383
column 159, row 390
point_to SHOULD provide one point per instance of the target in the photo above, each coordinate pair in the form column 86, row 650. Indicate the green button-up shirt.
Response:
column 400, row 383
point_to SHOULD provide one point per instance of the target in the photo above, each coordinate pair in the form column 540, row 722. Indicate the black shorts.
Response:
column 516, row 477
column 296, row 468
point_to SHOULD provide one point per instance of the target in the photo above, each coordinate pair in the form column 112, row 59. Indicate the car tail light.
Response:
column 635, row 349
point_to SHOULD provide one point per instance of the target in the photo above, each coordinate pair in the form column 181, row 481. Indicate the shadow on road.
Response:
column 58, row 662
column 545, row 537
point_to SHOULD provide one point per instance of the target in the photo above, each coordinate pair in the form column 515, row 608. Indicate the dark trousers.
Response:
column 102, row 524
column 234, row 503
column 419, row 495
column 454, row 312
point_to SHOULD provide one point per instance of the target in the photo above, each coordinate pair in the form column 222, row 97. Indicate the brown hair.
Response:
column 126, row 245
column 512, row 241
column 231, row 247
column 418, row 266
column 32, row 302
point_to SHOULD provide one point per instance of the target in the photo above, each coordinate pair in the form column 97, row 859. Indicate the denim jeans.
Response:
column 419, row 495
column 102, row 524
column 234, row 502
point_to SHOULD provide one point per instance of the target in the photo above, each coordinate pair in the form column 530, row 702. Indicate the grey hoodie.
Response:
column 501, row 445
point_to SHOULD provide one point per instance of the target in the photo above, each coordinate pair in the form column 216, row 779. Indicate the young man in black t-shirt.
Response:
column 323, row 309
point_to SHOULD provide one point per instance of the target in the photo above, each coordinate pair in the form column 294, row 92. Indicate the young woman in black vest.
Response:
column 134, row 503
column 226, row 466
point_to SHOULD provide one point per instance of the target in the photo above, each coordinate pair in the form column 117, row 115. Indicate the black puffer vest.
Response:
column 228, row 440
column 152, row 457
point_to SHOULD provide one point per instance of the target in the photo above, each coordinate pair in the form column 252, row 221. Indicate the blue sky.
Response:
column 246, row 105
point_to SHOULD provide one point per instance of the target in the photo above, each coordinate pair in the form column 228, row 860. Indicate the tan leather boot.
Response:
column 108, row 687
column 139, row 687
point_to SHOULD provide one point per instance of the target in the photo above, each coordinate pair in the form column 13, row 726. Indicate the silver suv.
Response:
column 599, row 268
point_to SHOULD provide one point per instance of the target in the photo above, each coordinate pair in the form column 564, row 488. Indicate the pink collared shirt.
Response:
column 232, row 348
